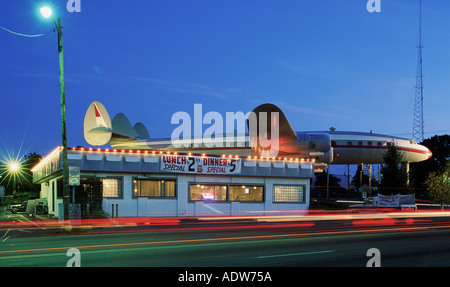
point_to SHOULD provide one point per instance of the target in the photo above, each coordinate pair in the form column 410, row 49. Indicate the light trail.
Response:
column 113, row 225
column 229, row 240
column 294, row 254
column 337, row 215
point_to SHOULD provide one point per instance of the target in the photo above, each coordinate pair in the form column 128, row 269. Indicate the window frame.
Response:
column 210, row 185
column 228, row 185
column 162, row 183
column 302, row 201
column 243, row 186
column 120, row 185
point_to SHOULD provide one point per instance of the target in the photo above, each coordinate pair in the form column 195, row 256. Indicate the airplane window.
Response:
column 360, row 143
column 369, row 143
column 349, row 143
column 379, row 143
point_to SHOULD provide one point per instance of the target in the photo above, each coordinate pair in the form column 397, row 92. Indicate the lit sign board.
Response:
column 74, row 176
column 200, row 164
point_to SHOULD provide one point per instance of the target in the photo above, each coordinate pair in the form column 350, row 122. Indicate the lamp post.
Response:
column 47, row 13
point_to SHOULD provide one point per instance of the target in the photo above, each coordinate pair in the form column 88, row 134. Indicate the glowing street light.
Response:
column 47, row 13
column 13, row 170
column 14, row 167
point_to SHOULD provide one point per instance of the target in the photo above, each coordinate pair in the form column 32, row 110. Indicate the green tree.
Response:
column 334, row 188
column 439, row 146
column 321, row 180
column 356, row 179
column 394, row 178
column 439, row 186
column 30, row 161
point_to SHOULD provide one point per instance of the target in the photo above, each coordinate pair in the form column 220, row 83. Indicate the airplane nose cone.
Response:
column 429, row 154
column 422, row 153
column 426, row 153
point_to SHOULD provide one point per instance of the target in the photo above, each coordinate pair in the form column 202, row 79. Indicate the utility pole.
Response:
column 63, row 120
column 47, row 13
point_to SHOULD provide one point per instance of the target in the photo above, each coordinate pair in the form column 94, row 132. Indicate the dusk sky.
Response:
column 324, row 63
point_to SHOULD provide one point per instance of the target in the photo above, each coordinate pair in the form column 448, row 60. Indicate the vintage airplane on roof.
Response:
column 325, row 147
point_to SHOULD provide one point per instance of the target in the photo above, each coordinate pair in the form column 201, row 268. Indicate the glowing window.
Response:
column 246, row 193
column 289, row 193
column 112, row 187
column 208, row 192
column 154, row 188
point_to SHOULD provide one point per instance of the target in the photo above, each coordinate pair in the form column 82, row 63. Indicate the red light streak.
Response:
column 376, row 222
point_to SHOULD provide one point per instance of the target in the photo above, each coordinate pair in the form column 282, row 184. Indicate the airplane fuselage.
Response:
column 268, row 137
column 345, row 147
column 369, row 148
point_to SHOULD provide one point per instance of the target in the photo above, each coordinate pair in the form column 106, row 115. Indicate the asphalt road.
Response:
column 236, row 243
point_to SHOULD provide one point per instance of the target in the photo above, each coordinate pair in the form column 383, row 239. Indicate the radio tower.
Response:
column 418, row 102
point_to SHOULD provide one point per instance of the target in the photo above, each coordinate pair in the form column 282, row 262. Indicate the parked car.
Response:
column 18, row 207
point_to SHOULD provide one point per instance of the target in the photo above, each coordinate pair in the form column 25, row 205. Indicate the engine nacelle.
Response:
column 323, row 157
column 313, row 145
column 313, row 142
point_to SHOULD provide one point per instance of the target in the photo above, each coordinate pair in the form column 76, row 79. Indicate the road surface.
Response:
column 262, row 242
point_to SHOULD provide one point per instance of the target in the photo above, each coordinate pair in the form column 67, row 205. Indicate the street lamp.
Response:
column 14, row 170
column 47, row 13
column 14, row 167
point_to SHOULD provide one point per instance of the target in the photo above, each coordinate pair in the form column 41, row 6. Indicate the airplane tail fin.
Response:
column 100, row 130
column 268, row 121
column 141, row 130
column 126, row 136
column 121, row 127
column 97, row 125
column 279, row 120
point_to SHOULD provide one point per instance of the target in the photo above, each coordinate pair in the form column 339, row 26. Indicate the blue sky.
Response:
column 325, row 63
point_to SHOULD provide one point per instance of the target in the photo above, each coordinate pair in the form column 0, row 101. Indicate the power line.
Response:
column 26, row 35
